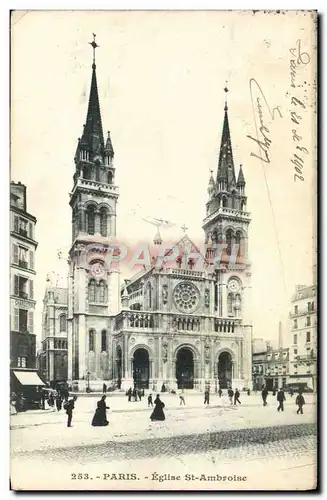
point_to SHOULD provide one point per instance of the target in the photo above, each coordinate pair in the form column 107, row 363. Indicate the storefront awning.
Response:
column 28, row 378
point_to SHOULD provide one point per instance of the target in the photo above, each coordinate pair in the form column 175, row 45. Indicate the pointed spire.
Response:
column 157, row 240
column 92, row 138
column 211, row 185
column 109, row 149
column 226, row 163
column 240, row 179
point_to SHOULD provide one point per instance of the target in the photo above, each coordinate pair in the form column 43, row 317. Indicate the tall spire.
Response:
column 226, row 163
column 92, row 138
column 240, row 178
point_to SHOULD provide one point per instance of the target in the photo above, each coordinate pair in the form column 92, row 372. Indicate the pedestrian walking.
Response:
column 134, row 394
column 100, row 416
column 281, row 398
column 13, row 399
column 43, row 400
column 58, row 402
column 150, row 402
column 104, row 388
column 139, row 393
column 69, row 407
column 181, row 400
column 237, row 397
column 300, row 402
column 129, row 394
column 220, row 393
column 158, row 413
column 248, row 392
column 291, row 392
column 206, row 396
column 230, row 395
column 264, row 395
column 51, row 402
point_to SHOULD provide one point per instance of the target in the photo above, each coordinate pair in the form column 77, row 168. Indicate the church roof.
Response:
column 60, row 294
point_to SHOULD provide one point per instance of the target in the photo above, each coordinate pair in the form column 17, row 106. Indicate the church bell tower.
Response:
column 93, row 288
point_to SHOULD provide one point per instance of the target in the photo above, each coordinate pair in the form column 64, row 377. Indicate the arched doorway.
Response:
column 185, row 369
column 225, row 370
column 141, row 368
column 118, row 365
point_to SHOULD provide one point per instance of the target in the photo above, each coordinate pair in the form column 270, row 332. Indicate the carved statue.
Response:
column 207, row 350
column 164, row 350
column 165, row 294
column 207, row 297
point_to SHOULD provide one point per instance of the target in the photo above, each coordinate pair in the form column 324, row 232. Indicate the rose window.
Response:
column 186, row 297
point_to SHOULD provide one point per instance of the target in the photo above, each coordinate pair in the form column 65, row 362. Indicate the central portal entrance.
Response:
column 185, row 369
column 225, row 370
column 141, row 369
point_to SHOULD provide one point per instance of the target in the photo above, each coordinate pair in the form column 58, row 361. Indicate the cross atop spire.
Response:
column 226, row 90
column 94, row 46
column 184, row 228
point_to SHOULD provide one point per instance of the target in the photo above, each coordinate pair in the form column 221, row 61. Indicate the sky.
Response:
column 161, row 77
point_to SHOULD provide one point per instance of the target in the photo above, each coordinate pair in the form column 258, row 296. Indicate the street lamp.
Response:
column 88, row 381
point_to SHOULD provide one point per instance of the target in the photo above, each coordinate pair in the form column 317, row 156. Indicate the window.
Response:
column 229, row 236
column 149, row 296
column 230, row 303
column 103, row 222
column 308, row 322
column 97, row 174
column 102, row 292
column 90, row 215
column 295, row 339
column 296, row 309
column 63, row 323
column 103, row 340
column 22, row 227
column 109, row 177
column 91, row 340
column 238, row 242
column 308, row 337
column 295, row 324
column 92, row 291
column 295, row 351
column 22, row 320
column 21, row 362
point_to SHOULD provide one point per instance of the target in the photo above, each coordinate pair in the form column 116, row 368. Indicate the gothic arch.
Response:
column 106, row 206
column 195, row 351
column 91, row 203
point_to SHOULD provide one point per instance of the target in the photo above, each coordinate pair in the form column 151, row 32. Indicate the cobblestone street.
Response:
column 191, row 437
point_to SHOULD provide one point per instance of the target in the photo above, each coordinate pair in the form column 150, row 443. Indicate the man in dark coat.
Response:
column 58, row 402
column 129, row 394
column 230, row 395
column 69, row 410
column 104, row 388
column 220, row 392
column 206, row 396
column 158, row 413
column 300, row 402
column 236, row 397
column 281, row 398
column 264, row 395
column 150, row 402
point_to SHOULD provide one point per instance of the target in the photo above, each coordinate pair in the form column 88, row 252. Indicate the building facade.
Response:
column 303, row 341
column 270, row 367
column 22, row 275
column 185, row 320
column 53, row 358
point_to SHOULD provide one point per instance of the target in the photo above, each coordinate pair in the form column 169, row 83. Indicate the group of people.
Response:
column 299, row 401
column 134, row 394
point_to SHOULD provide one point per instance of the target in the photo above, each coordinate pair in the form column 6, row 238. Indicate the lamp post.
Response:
column 88, row 381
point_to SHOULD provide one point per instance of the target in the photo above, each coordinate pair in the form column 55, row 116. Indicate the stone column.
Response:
column 223, row 298
column 126, row 359
column 70, row 349
column 97, row 222
column 82, row 347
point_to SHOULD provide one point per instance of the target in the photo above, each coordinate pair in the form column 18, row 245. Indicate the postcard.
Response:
column 163, row 302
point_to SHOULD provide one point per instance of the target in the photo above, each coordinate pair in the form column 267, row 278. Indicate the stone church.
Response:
column 185, row 320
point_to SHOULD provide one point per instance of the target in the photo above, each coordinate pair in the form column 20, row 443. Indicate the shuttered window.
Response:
column 16, row 224
column 16, row 319
column 16, row 285
column 31, row 290
column 15, row 252
column 31, row 321
column 31, row 259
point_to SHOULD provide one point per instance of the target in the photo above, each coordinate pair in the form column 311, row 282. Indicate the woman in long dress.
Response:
column 100, row 416
column 158, row 413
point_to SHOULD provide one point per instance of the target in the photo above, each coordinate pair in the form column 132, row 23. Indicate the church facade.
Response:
column 185, row 320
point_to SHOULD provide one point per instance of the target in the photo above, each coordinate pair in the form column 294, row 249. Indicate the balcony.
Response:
column 23, row 264
column 23, row 232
